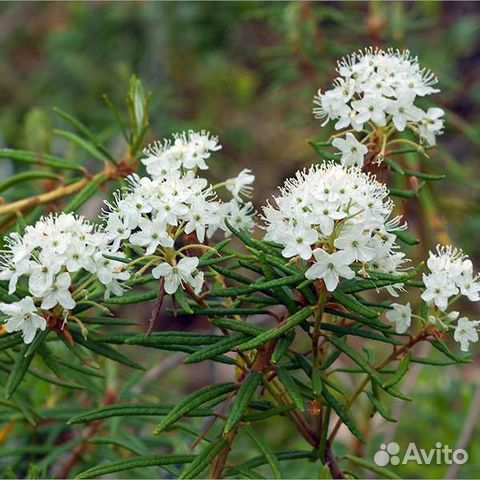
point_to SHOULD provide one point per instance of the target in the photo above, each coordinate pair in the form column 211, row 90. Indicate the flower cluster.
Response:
column 339, row 216
column 187, row 151
column 378, row 89
column 155, row 211
column 451, row 275
column 45, row 262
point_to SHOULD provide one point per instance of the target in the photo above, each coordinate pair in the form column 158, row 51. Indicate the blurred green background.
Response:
column 247, row 71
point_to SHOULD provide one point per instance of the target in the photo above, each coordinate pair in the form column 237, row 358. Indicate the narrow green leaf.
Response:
column 357, row 358
column 85, row 194
column 85, row 145
column 19, row 369
column 265, row 449
column 237, row 326
column 37, row 341
column 396, row 192
column 400, row 373
column 258, row 286
column 424, row 176
column 383, row 472
column 204, row 459
column 272, row 412
column 222, row 346
column 227, row 311
column 118, row 442
column 117, row 116
column 182, row 300
column 80, row 353
column 35, row 158
column 134, row 298
column 132, row 410
column 27, row 177
column 291, row 387
column 281, row 348
column 342, row 413
column 10, row 341
column 395, row 166
column 83, row 129
column 354, row 305
column 358, row 333
column 137, row 462
column 441, row 347
column 380, row 408
column 106, row 351
column 173, row 338
column 242, row 399
column 406, row 238
column 289, row 455
column 375, row 324
column 278, row 331
column 193, row 401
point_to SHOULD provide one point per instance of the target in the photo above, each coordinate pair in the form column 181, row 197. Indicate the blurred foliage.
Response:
column 248, row 72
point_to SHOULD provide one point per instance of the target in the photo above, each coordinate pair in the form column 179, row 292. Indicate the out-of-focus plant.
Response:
column 319, row 278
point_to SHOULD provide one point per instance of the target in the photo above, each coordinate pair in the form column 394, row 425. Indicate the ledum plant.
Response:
column 314, row 314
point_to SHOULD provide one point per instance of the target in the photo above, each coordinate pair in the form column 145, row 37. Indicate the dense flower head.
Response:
column 155, row 212
column 152, row 212
column 186, row 150
column 450, row 274
column 378, row 89
column 335, row 216
column 46, row 259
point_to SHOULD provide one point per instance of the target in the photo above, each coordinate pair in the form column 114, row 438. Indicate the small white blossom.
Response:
column 431, row 125
column 22, row 316
column 380, row 87
column 50, row 253
column 466, row 333
column 241, row 184
column 330, row 267
column 187, row 150
column 177, row 274
column 342, row 207
column 353, row 152
column 401, row 316
column 451, row 273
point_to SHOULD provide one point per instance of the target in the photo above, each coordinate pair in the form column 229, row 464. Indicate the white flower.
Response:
column 58, row 293
column 353, row 152
column 42, row 273
column 380, row 87
column 330, row 267
column 177, row 274
column 357, row 243
column 431, row 125
column 241, row 184
column 22, row 317
column 438, row 289
column 298, row 241
column 451, row 272
column 187, row 150
column 343, row 207
column 403, row 110
column 151, row 235
column 401, row 316
column 238, row 216
column 466, row 333
column 371, row 107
